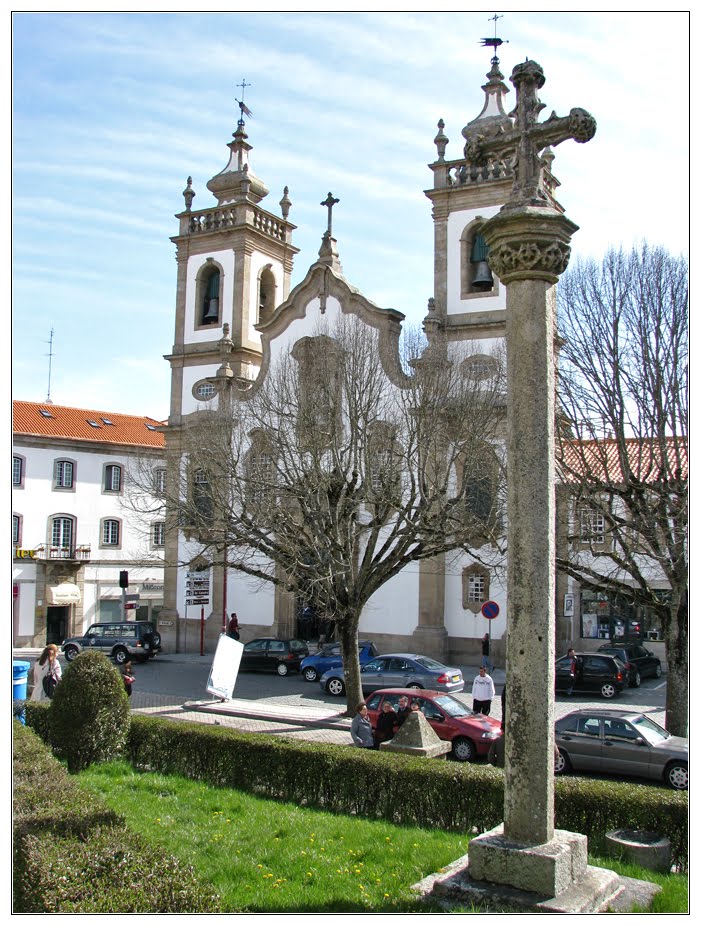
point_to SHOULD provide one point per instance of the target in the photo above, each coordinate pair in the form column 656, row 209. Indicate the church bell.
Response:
column 211, row 312
column 483, row 276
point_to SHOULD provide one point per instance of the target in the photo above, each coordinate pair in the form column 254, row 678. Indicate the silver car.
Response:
column 621, row 743
column 398, row 670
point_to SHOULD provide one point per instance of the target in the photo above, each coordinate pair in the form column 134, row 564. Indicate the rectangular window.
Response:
column 17, row 471
column 592, row 525
column 110, row 533
column 475, row 590
column 63, row 474
column 158, row 534
column 16, row 528
column 160, row 480
column 113, row 478
column 62, row 533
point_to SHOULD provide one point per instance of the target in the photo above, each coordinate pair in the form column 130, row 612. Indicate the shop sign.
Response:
column 25, row 554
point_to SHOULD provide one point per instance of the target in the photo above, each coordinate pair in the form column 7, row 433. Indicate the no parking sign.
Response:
column 490, row 610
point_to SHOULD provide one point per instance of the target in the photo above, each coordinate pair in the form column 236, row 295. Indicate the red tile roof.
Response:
column 647, row 459
column 73, row 424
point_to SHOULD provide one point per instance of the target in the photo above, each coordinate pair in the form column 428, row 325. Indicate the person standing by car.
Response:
column 361, row 728
column 387, row 724
column 233, row 629
column 47, row 674
column 572, row 656
column 403, row 711
column 482, row 692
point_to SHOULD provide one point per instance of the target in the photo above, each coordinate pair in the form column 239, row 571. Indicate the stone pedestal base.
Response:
column 549, row 878
column 547, row 869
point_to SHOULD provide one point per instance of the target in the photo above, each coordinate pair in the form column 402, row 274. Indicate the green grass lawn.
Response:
column 265, row 856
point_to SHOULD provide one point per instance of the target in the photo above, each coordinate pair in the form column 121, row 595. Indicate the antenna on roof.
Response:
column 50, row 342
column 495, row 42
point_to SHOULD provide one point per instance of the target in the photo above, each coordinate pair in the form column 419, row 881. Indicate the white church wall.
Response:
column 251, row 599
column 258, row 262
column 462, row 622
column 394, row 608
column 192, row 375
column 457, row 222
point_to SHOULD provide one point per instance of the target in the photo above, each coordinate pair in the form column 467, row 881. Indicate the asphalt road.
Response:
column 184, row 678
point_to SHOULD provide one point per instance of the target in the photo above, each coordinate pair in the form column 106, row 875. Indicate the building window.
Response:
column 266, row 294
column 592, row 526
column 480, row 367
column 475, row 276
column 475, row 587
column 158, row 534
column 204, row 391
column 62, row 534
column 110, row 532
column 202, row 495
column 209, row 295
column 63, row 474
column 159, row 480
column 16, row 528
column 113, row 478
column 18, row 472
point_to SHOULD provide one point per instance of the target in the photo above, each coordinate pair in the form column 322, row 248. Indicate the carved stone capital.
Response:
column 528, row 244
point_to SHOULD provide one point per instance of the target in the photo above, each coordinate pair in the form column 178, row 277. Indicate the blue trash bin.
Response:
column 20, row 672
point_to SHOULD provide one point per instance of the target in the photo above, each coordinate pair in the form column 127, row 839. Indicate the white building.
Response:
column 72, row 530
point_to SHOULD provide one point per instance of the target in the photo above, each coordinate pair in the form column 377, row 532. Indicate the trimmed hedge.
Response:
column 72, row 854
column 435, row 794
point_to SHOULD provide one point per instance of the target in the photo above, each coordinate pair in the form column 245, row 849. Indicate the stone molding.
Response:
column 530, row 243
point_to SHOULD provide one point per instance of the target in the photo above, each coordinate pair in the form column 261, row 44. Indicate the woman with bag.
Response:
column 47, row 674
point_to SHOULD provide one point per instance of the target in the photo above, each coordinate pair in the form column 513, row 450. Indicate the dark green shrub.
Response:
column 72, row 854
column 89, row 713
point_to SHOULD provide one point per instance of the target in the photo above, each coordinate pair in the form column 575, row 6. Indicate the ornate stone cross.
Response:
column 528, row 137
column 329, row 202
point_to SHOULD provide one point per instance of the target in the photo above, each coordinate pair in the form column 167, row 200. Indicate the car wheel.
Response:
column 562, row 763
column 154, row 639
column 120, row 655
column 335, row 686
column 658, row 670
column 282, row 668
column 464, row 749
column 415, row 686
column 608, row 690
column 310, row 674
column 677, row 776
column 70, row 653
column 634, row 679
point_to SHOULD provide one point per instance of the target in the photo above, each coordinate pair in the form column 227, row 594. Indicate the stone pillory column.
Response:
column 528, row 250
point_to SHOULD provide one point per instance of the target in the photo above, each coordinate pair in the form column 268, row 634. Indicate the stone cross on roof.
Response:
column 329, row 202
column 528, row 137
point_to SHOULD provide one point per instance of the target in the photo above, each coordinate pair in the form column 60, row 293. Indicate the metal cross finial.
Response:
column 242, row 105
column 495, row 42
column 329, row 202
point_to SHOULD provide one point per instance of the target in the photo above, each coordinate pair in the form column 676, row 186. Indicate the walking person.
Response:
column 485, row 653
column 128, row 676
column 482, row 692
column 233, row 628
column 361, row 729
column 47, row 674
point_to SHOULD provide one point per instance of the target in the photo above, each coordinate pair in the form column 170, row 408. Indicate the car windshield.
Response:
column 330, row 649
column 430, row 664
column 451, row 706
column 652, row 732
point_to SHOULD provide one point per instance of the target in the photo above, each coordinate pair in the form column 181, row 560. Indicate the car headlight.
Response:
column 491, row 734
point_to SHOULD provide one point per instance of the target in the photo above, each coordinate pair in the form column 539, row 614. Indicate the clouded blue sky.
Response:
column 113, row 111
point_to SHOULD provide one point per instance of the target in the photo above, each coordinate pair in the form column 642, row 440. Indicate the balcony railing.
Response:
column 79, row 552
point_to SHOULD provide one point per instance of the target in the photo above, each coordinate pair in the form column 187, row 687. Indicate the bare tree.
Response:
column 330, row 476
column 623, row 391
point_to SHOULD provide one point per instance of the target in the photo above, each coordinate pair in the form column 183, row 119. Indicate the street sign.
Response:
column 128, row 598
column 490, row 610
column 196, row 601
column 131, row 605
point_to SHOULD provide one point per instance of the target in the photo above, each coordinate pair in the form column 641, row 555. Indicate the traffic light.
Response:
column 124, row 579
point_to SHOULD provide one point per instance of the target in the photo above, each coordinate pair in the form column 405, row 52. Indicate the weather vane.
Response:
column 242, row 105
column 495, row 42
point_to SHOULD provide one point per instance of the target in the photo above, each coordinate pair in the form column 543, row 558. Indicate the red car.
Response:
column 471, row 734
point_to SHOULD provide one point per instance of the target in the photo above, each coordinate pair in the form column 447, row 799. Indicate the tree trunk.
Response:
column 676, row 648
column 348, row 629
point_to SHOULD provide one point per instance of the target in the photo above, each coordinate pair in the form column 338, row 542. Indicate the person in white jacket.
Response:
column 46, row 665
column 482, row 692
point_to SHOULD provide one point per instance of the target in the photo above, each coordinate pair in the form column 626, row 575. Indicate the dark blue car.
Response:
column 329, row 657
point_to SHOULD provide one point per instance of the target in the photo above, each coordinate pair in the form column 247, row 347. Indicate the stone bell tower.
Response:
column 234, row 266
column 234, row 262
